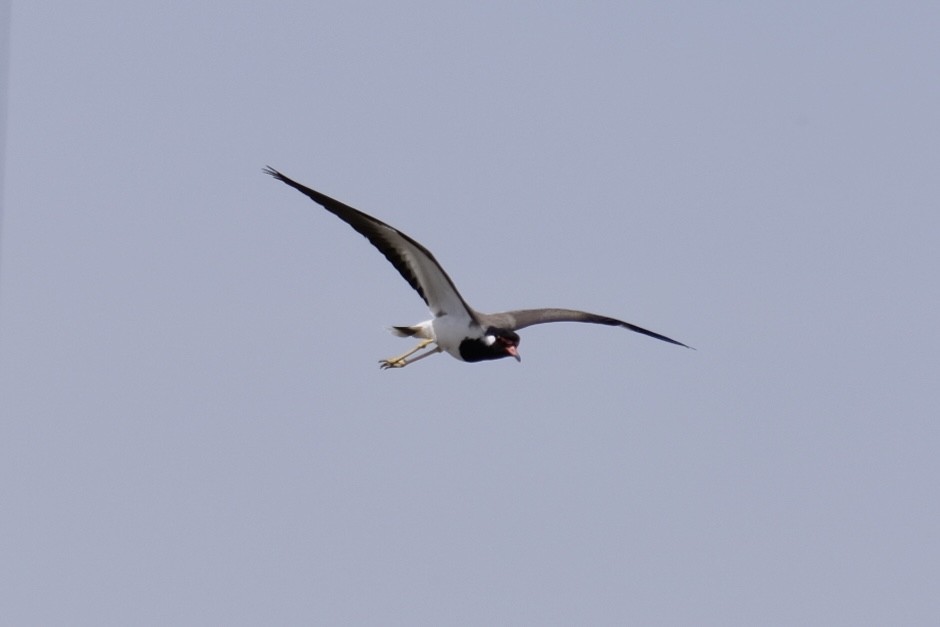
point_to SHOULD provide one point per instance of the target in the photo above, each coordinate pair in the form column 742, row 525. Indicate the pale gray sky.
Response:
column 195, row 429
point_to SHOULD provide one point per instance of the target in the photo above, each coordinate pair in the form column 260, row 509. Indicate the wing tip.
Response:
column 272, row 172
column 653, row 334
column 672, row 341
column 667, row 339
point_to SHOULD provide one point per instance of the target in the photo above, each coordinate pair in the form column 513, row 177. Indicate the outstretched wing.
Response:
column 527, row 317
column 412, row 260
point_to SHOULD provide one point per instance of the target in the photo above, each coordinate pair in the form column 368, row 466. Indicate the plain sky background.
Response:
column 194, row 427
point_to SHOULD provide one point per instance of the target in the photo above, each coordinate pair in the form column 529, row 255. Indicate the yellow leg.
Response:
column 401, row 361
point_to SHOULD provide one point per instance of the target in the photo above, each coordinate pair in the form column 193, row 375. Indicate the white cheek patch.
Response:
column 489, row 340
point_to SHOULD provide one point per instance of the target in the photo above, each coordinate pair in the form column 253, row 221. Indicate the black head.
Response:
column 495, row 344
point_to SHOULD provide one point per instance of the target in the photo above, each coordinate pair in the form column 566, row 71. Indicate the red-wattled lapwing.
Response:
column 456, row 327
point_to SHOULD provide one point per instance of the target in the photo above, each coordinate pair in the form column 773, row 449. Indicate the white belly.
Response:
column 449, row 332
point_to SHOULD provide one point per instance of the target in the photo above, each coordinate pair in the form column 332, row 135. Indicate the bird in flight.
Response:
column 456, row 327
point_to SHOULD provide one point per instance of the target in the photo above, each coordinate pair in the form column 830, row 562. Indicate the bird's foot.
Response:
column 402, row 360
column 385, row 364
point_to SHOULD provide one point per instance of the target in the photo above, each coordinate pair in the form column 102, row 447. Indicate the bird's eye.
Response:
column 489, row 340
